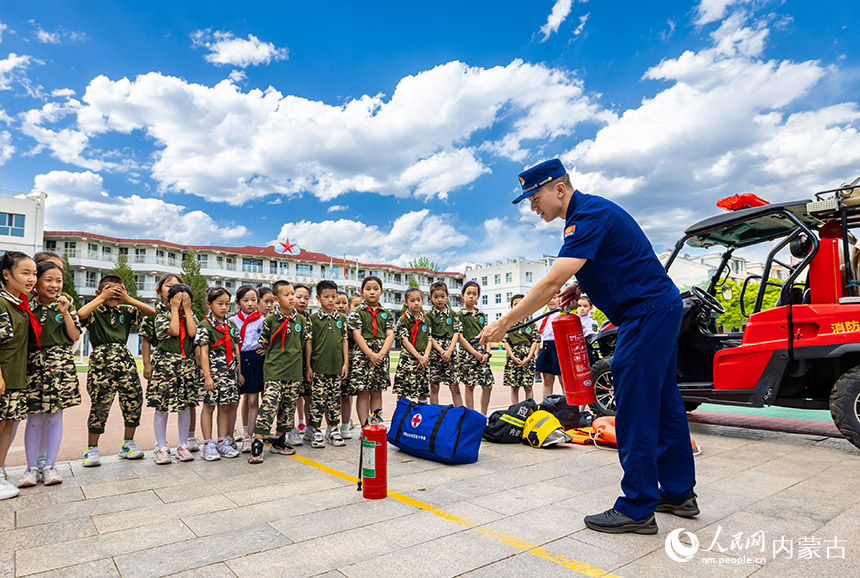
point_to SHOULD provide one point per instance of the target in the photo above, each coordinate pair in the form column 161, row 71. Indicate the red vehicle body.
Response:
column 805, row 351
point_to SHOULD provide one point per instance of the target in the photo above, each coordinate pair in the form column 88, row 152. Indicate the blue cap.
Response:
column 534, row 178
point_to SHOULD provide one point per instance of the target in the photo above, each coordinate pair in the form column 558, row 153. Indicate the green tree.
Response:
column 122, row 270
column 733, row 319
column 69, row 284
column 413, row 281
column 423, row 263
column 194, row 279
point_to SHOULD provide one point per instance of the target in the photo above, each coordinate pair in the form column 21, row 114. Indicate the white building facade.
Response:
column 22, row 221
column 501, row 280
column 91, row 256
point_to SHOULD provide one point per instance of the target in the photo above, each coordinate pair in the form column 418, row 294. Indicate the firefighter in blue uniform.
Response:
column 616, row 266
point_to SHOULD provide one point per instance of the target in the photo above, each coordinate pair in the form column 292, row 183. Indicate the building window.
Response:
column 252, row 266
column 11, row 224
column 498, row 298
column 219, row 262
column 70, row 248
column 483, row 281
column 171, row 259
column 508, row 296
column 304, row 270
column 92, row 251
column 273, row 267
column 397, row 278
column 498, row 315
column 529, row 277
column 92, row 280
column 322, row 271
column 159, row 257
column 140, row 281
column 51, row 245
column 484, row 300
column 497, row 278
column 231, row 263
column 203, row 260
column 285, row 268
column 107, row 253
column 509, row 277
column 123, row 251
column 140, row 255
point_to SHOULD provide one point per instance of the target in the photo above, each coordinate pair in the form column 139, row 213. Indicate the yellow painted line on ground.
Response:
column 533, row 549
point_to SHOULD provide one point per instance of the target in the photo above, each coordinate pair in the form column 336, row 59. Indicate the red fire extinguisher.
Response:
column 373, row 463
column 573, row 359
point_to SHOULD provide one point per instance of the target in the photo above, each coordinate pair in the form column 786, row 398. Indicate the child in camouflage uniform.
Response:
column 445, row 330
column 284, row 338
column 521, row 346
column 372, row 327
column 328, row 363
column 52, row 380
column 410, row 378
column 109, row 319
column 18, row 276
column 220, row 356
column 341, row 304
column 473, row 364
column 174, row 387
column 299, row 434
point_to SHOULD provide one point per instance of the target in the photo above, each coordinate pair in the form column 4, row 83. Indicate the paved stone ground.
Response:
column 516, row 512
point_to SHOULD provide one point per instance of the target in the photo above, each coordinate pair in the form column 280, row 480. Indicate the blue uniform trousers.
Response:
column 651, row 423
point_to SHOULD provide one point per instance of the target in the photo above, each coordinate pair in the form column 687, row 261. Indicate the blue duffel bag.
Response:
column 447, row 434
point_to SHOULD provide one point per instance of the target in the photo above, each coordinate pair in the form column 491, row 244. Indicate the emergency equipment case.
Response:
column 446, row 434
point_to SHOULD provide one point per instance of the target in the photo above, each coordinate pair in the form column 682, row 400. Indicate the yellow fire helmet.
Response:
column 543, row 430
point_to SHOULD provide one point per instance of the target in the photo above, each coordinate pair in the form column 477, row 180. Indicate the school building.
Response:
column 502, row 280
column 22, row 218
column 91, row 256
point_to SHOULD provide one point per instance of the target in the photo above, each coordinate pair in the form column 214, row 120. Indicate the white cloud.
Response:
column 560, row 11
column 414, row 234
column 12, row 69
column 2, row 28
column 225, row 49
column 336, row 208
column 237, row 76
column 45, row 37
column 226, row 145
column 6, row 148
column 62, row 92
column 582, row 20
column 78, row 201
column 714, row 10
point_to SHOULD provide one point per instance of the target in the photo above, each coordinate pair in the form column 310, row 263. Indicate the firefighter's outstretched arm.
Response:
column 562, row 270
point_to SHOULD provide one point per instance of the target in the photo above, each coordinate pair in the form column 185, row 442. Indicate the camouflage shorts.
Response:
column 13, row 405
column 470, row 370
column 409, row 380
column 366, row 377
column 52, row 380
column 279, row 401
column 113, row 372
column 346, row 388
column 175, row 385
column 305, row 388
column 325, row 400
column 441, row 372
column 516, row 376
column 226, row 378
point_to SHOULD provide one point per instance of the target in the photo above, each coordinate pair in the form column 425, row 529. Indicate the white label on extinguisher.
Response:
column 368, row 464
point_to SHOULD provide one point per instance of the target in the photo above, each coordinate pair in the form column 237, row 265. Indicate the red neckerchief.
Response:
column 284, row 327
column 245, row 321
column 543, row 323
column 182, row 331
column 413, row 334
column 224, row 340
column 24, row 305
column 374, row 314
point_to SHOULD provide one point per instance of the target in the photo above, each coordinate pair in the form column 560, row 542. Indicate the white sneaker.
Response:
column 294, row 439
column 210, row 452
column 309, row 433
column 29, row 479
column 52, row 477
column 238, row 435
column 130, row 451
column 334, row 438
column 162, row 455
column 226, row 449
column 246, row 445
column 184, row 454
column 318, row 440
column 7, row 490
column 346, row 432
column 192, row 444
column 91, row 458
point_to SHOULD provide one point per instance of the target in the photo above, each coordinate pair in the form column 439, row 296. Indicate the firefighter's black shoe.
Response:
column 687, row 507
column 256, row 456
column 614, row 522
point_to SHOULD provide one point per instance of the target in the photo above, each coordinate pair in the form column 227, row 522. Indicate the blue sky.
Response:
column 391, row 130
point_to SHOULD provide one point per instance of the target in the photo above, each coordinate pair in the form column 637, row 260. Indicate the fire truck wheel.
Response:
column 603, row 389
column 845, row 405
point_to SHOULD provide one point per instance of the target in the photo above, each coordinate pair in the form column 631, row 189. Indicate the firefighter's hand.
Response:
column 572, row 290
column 493, row 332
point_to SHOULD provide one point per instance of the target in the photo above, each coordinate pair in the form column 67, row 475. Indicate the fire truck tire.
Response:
column 845, row 405
column 604, row 391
